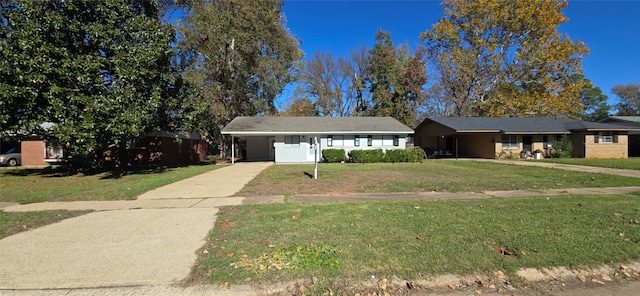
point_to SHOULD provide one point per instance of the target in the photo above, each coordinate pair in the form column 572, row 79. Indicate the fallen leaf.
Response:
column 623, row 267
column 617, row 214
column 24, row 226
column 606, row 278
column 597, row 281
column 313, row 245
column 247, row 279
column 500, row 275
column 419, row 238
column 416, row 207
column 272, row 246
column 303, row 289
column 582, row 278
column 382, row 284
column 452, row 287
column 231, row 254
column 621, row 234
column 294, row 217
column 369, row 245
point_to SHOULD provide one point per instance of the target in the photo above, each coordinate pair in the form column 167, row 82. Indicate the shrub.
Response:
column 416, row 155
column 367, row 156
column 396, row 155
column 334, row 155
column 561, row 148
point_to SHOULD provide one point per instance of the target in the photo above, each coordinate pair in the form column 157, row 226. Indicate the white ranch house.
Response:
column 291, row 139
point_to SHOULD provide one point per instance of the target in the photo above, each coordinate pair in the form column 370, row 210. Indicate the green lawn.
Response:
column 432, row 175
column 411, row 239
column 38, row 185
column 12, row 223
column 632, row 163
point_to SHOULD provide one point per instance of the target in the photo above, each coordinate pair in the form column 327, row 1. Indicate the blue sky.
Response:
column 611, row 29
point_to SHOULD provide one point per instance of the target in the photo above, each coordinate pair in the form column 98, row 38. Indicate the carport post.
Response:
column 233, row 149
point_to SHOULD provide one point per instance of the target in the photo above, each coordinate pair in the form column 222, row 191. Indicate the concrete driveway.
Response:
column 148, row 242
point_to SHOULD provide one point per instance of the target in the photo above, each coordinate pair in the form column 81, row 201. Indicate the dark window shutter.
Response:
column 615, row 138
column 595, row 138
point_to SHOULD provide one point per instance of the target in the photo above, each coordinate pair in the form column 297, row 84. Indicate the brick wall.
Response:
column 32, row 152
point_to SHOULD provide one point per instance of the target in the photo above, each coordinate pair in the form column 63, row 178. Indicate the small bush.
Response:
column 367, row 156
column 416, row 155
column 561, row 148
column 334, row 155
column 396, row 155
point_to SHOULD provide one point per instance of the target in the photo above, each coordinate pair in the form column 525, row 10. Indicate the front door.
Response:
column 526, row 143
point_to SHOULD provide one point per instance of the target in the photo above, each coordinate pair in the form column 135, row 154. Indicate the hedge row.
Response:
column 334, row 155
column 374, row 155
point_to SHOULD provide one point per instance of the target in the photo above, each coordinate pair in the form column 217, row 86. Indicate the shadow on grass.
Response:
column 68, row 171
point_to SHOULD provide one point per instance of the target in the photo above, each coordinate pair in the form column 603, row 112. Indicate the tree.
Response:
column 100, row 71
column 324, row 78
column 594, row 102
column 396, row 80
column 506, row 58
column 628, row 99
column 240, row 56
column 301, row 107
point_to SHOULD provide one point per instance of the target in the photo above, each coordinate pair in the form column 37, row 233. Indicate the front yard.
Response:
column 432, row 175
column 40, row 185
column 356, row 241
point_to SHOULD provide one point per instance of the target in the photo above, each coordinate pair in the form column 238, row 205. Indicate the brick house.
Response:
column 492, row 137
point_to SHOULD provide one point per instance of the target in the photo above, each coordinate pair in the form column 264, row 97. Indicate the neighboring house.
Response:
column 634, row 136
column 156, row 148
column 291, row 139
column 492, row 137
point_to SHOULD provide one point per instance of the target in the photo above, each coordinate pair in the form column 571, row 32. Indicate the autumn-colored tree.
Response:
column 301, row 107
column 628, row 99
column 240, row 57
column 395, row 79
column 506, row 58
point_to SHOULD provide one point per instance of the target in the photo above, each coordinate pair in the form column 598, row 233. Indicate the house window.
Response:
column 606, row 137
column 291, row 141
column 510, row 142
column 329, row 141
column 387, row 140
column 54, row 150
column 136, row 143
column 356, row 141
column 396, row 140
column 369, row 140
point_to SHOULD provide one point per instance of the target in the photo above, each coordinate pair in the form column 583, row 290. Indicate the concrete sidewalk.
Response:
column 151, row 241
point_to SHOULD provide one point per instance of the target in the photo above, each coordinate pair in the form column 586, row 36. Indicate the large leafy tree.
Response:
column 396, row 80
column 240, row 56
column 100, row 71
column 594, row 102
column 506, row 58
column 628, row 99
